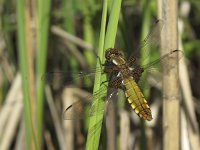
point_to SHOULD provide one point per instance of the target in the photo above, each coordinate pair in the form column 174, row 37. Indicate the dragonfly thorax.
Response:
column 115, row 58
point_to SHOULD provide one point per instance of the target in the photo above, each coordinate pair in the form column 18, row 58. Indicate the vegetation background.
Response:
column 45, row 44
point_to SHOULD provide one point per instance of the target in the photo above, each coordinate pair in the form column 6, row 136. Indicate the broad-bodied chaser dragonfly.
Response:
column 126, row 76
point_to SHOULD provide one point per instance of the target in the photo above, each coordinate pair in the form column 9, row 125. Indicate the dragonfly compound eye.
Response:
column 108, row 53
column 112, row 52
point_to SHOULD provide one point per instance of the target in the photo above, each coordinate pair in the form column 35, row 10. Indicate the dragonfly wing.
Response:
column 97, row 126
column 64, row 78
column 81, row 109
column 174, row 54
column 94, row 104
column 152, row 40
column 154, row 68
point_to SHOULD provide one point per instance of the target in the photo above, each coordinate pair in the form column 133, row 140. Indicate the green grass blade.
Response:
column 112, row 24
column 145, row 30
column 42, row 39
column 23, row 63
column 93, row 140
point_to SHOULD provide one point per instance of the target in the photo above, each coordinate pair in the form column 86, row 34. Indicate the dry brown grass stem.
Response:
column 71, row 38
column 11, row 114
column 189, row 109
column 55, row 117
column 171, row 98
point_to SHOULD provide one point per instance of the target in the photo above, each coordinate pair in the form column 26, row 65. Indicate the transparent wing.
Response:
column 69, row 77
column 154, row 67
column 174, row 54
column 152, row 40
column 64, row 78
column 81, row 109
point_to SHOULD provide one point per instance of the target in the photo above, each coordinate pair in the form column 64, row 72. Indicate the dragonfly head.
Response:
column 112, row 52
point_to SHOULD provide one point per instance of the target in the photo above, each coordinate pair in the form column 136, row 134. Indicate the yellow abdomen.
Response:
column 136, row 99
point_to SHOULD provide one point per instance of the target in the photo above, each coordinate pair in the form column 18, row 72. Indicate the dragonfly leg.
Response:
column 113, row 70
column 110, row 68
column 101, row 64
column 103, row 82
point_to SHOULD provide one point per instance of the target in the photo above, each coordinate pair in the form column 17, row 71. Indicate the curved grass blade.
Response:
column 109, row 39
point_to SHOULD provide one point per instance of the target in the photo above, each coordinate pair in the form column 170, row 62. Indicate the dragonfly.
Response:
column 125, row 75
column 126, row 79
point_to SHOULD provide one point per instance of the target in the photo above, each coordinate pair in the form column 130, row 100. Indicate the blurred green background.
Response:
column 47, row 46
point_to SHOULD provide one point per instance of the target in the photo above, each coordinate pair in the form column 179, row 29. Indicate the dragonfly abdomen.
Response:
column 136, row 99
